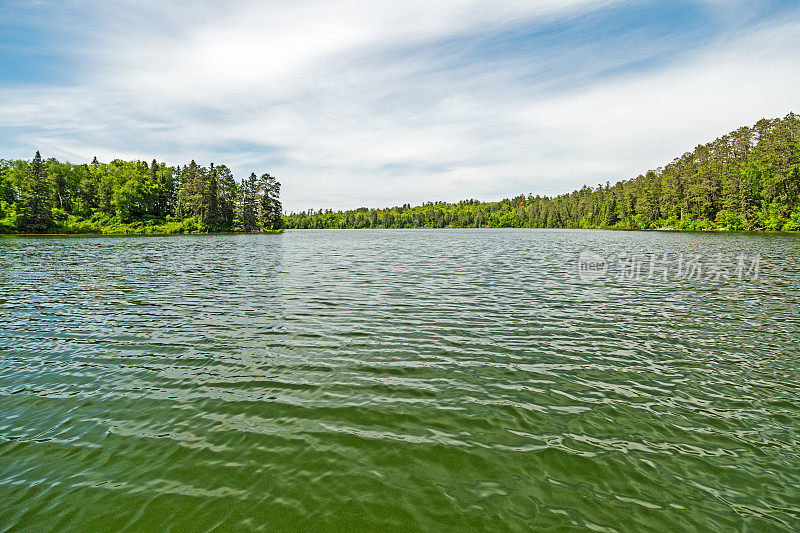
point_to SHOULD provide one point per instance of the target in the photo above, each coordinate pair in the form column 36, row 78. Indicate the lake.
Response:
column 396, row 379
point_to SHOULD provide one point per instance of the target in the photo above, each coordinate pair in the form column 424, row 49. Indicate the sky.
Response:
column 355, row 103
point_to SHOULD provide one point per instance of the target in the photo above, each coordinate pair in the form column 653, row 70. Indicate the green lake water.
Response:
column 429, row 380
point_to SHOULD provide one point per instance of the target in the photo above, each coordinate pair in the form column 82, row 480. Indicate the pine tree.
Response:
column 35, row 201
column 270, row 210
column 211, row 201
column 248, row 208
column 157, row 185
column 228, row 195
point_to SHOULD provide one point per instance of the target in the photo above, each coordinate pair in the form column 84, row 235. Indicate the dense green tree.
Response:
column 134, row 196
column 228, row 197
column 162, row 184
column 35, row 200
column 210, row 209
column 270, row 209
column 748, row 179
column 192, row 190
column 248, row 206
column 7, row 188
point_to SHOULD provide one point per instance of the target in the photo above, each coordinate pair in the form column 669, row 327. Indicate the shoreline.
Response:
column 278, row 232
column 142, row 234
column 664, row 229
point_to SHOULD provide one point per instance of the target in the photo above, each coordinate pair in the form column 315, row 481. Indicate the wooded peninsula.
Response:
column 748, row 179
column 41, row 196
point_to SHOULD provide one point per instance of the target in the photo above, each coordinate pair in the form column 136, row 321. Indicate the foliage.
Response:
column 132, row 197
column 35, row 198
column 269, row 205
column 748, row 179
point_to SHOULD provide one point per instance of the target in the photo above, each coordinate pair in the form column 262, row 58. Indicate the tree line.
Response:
column 41, row 196
column 748, row 179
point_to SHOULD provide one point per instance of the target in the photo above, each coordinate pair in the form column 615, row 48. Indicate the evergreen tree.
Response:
column 248, row 207
column 228, row 197
column 211, row 201
column 35, row 202
column 270, row 210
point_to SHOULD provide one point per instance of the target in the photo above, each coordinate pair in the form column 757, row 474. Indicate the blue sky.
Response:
column 354, row 103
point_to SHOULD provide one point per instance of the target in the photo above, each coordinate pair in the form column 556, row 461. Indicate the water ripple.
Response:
column 395, row 380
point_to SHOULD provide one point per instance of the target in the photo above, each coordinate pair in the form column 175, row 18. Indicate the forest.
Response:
column 49, row 196
column 748, row 179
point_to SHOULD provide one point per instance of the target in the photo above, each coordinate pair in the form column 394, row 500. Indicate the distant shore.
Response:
column 280, row 231
column 665, row 229
column 154, row 234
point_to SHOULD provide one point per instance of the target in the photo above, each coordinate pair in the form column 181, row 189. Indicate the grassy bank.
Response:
column 101, row 224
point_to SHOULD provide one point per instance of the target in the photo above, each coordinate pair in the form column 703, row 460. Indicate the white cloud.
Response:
column 353, row 103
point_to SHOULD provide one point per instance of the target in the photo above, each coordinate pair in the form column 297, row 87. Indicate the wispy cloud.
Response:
column 353, row 103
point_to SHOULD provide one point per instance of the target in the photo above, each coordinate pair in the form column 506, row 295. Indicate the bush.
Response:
column 59, row 215
column 696, row 224
column 8, row 217
column 733, row 221
column 793, row 224
column 671, row 222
